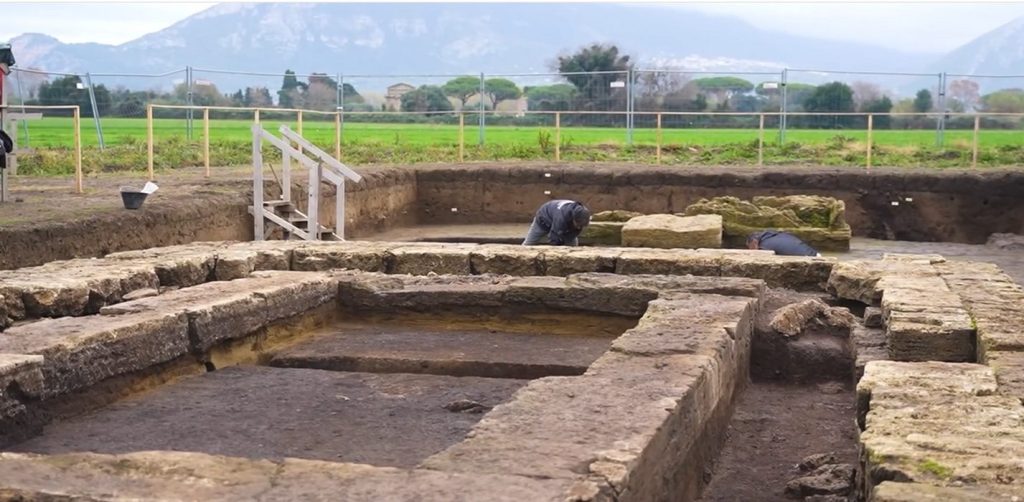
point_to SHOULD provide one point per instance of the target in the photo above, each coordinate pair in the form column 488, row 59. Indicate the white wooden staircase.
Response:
column 283, row 212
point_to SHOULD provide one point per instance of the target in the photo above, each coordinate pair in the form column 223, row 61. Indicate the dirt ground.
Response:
column 814, row 356
column 258, row 412
column 36, row 200
column 773, row 428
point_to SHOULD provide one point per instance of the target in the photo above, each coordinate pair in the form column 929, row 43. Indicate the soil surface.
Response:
column 396, row 347
column 259, row 412
column 773, row 428
column 816, row 355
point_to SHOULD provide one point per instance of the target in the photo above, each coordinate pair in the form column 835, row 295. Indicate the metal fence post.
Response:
column 630, row 105
column 783, row 107
column 95, row 110
column 871, row 129
column 974, row 147
column 149, row 138
column 189, row 102
column 341, row 110
column 558, row 136
column 480, row 139
column 658, row 154
column 462, row 136
column 206, row 140
column 76, row 118
column 940, row 126
column 760, row 141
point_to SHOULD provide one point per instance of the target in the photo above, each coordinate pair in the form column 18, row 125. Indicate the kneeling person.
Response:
column 781, row 243
column 561, row 220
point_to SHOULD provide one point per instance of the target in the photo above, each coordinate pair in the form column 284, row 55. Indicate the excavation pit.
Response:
column 672, row 378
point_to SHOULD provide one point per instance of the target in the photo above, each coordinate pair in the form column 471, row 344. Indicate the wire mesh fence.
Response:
column 683, row 114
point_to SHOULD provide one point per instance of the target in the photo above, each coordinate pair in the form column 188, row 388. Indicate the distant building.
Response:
column 393, row 99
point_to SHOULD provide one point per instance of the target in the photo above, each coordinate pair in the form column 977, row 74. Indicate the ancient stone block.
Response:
column 931, row 336
column 563, row 261
column 1009, row 370
column 873, row 317
column 933, row 423
column 21, row 372
column 81, row 351
column 794, row 272
column 620, row 414
column 819, row 221
column 423, row 260
column 602, row 233
column 670, row 231
column 668, row 262
column 197, row 476
column 615, row 215
column 368, row 257
column 506, row 259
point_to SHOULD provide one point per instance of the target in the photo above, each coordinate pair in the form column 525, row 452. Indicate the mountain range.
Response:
column 470, row 38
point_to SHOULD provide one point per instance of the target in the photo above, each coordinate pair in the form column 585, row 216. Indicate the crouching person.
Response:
column 561, row 221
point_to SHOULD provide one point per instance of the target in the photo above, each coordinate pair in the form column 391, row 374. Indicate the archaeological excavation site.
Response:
column 383, row 335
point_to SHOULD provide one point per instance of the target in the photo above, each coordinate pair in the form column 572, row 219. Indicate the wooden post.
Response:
column 299, row 129
column 286, row 176
column 760, row 141
column 974, row 154
column 337, row 136
column 558, row 136
column 339, row 210
column 257, row 182
column 78, row 148
column 871, row 128
column 658, row 134
column 313, row 225
column 149, row 137
column 462, row 137
column 256, row 116
column 206, row 140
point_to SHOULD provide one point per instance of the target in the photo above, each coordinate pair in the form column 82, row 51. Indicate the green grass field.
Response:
column 58, row 132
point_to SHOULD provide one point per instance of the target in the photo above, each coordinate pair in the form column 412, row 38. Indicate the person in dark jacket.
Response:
column 561, row 221
column 781, row 243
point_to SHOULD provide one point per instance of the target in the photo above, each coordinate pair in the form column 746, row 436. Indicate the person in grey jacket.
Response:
column 781, row 243
column 561, row 221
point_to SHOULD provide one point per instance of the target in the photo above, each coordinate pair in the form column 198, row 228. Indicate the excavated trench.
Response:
column 395, row 386
column 386, row 388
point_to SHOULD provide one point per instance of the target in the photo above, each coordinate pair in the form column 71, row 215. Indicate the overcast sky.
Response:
column 917, row 26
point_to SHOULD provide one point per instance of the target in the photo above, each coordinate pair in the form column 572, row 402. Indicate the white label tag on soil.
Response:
column 149, row 188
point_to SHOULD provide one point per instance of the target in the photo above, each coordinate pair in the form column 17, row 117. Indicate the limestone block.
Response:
column 81, row 351
column 615, row 215
column 670, row 231
column 602, row 233
column 234, row 264
column 708, row 325
column 435, row 258
column 556, row 292
column 224, row 310
column 506, row 259
column 935, row 423
column 368, row 257
column 186, row 269
column 637, row 412
column 670, row 285
column 1009, row 370
column 931, row 336
column 801, row 273
column 563, row 261
column 26, row 372
column 169, row 475
column 873, row 317
column 668, row 262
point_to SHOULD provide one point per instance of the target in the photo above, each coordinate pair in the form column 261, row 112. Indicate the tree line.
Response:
column 594, row 80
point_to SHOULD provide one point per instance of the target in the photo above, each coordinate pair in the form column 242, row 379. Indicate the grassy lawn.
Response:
column 58, row 132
